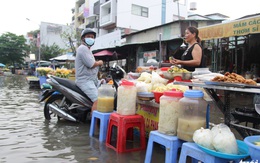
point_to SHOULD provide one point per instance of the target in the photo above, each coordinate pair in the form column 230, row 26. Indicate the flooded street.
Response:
column 26, row 137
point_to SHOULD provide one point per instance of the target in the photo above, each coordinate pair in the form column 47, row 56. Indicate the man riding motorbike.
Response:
column 66, row 100
column 87, row 67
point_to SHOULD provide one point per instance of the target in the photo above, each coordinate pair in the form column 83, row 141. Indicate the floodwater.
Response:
column 26, row 137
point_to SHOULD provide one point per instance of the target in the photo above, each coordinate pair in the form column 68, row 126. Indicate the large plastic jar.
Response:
column 126, row 98
column 169, row 112
column 106, row 96
column 192, row 115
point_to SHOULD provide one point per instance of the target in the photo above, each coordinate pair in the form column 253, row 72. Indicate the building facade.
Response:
column 113, row 18
column 51, row 33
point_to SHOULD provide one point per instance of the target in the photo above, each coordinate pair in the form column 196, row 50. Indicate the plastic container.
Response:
column 192, row 115
column 200, row 71
column 254, row 150
column 106, row 96
column 126, row 98
column 169, row 112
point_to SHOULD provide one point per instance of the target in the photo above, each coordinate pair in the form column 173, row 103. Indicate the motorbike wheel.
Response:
column 55, row 100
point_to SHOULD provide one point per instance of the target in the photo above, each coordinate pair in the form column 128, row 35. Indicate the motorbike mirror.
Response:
column 114, row 65
column 122, row 70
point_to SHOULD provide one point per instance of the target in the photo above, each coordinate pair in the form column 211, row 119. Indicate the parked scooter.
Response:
column 65, row 100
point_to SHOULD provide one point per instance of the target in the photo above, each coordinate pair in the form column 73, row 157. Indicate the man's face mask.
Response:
column 89, row 41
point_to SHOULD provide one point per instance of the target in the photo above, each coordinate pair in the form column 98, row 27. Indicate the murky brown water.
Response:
column 26, row 137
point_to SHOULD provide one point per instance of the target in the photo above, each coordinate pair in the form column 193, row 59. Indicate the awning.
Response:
column 233, row 28
column 103, row 53
column 64, row 57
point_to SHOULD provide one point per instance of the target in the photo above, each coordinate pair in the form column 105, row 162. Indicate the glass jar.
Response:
column 169, row 112
column 126, row 98
column 192, row 114
column 106, row 96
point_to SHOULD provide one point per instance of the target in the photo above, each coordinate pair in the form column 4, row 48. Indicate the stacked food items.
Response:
column 43, row 71
column 233, row 78
column 176, row 71
column 63, row 73
column 151, row 83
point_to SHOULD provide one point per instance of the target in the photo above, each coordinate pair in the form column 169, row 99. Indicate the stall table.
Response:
column 232, row 119
column 33, row 81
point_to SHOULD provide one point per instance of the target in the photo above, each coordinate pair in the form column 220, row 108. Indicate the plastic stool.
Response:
column 192, row 150
column 104, row 118
column 171, row 143
column 124, row 124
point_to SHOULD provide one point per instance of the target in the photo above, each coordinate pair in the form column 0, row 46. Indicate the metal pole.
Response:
column 160, row 49
column 39, row 43
column 40, row 52
column 178, row 10
column 179, row 18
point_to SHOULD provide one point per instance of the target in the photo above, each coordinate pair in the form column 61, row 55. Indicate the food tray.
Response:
column 240, row 85
column 242, row 151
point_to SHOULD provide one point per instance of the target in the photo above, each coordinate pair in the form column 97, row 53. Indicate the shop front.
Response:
column 233, row 46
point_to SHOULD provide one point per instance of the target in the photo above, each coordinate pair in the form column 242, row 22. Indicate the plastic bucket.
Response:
column 157, row 96
column 254, row 150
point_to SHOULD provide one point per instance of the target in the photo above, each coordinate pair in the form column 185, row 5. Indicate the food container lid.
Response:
column 165, row 68
column 127, row 83
column 145, row 94
column 173, row 93
column 193, row 93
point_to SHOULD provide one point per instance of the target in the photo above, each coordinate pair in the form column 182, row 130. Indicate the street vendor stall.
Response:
column 150, row 86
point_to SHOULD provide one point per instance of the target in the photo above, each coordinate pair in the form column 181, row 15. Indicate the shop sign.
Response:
column 234, row 28
column 151, row 116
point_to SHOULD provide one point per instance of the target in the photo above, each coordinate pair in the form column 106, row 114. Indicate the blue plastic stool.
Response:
column 171, row 143
column 104, row 118
column 192, row 150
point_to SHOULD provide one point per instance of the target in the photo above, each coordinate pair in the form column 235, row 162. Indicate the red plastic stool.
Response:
column 124, row 124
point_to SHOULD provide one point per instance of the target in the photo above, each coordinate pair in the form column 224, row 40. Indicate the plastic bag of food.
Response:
column 225, row 142
column 156, row 85
column 182, row 88
column 215, row 129
column 203, row 137
column 141, row 87
column 145, row 77
column 156, row 78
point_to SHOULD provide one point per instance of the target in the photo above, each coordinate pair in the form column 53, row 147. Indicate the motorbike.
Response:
column 66, row 100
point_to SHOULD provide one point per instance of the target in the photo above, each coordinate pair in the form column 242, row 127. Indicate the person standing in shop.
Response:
column 193, row 56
